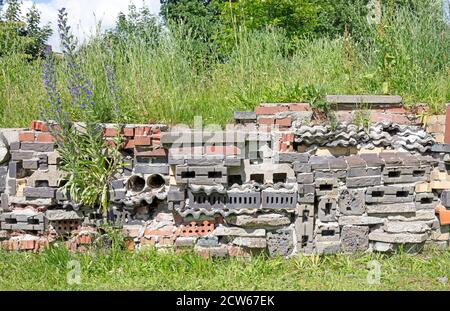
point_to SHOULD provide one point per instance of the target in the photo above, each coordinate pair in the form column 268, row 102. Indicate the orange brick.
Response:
column 44, row 137
column 268, row 121
column 287, row 137
column 27, row 136
column 299, row 107
column 129, row 144
column 444, row 215
column 110, row 132
column 38, row 125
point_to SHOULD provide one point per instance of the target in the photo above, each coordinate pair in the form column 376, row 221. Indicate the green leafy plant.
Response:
column 361, row 117
column 87, row 159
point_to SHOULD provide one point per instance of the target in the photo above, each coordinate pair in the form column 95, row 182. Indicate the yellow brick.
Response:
column 440, row 185
column 423, row 187
column 439, row 138
column 438, row 175
column 374, row 150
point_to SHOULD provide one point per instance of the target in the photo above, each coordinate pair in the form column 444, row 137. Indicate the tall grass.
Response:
column 408, row 54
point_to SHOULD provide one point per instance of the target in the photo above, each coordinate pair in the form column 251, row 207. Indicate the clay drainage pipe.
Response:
column 155, row 181
column 136, row 183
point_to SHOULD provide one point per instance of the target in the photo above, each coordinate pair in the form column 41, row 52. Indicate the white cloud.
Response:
column 84, row 15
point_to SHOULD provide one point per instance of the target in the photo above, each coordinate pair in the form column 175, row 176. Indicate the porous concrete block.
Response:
column 352, row 202
column 398, row 238
column 260, row 220
column 327, row 208
column 302, row 167
column 37, row 146
column 354, row 238
column 280, row 242
column 250, row 242
column 327, row 231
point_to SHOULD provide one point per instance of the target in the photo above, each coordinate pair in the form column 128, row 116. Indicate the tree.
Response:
column 39, row 34
column 13, row 11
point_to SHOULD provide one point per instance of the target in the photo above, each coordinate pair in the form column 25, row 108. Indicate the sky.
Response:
column 84, row 15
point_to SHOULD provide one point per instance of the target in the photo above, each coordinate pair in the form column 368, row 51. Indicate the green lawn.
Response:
column 148, row 270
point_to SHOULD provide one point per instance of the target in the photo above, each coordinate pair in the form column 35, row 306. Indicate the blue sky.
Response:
column 84, row 15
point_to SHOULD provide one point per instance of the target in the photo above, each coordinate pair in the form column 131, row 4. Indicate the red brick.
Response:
column 38, row 126
column 45, row 137
column 110, row 132
column 128, row 131
column 142, row 140
column 270, row 109
column 397, row 118
column 447, row 125
column 299, row 107
column 26, row 136
column 396, row 110
column 129, row 144
column 142, row 131
column 284, row 121
column 267, row 121
column 287, row 137
column 196, row 228
column 110, row 142
column 158, row 152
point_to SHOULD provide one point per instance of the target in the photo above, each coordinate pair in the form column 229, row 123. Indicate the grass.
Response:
column 408, row 54
column 149, row 270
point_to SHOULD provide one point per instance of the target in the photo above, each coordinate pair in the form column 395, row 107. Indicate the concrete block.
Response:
column 250, row 242
column 386, row 209
column 41, row 192
column 306, row 193
column 406, row 227
column 151, row 169
column 118, row 184
column 352, row 202
column 4, row 206
column 176, row 194
column 12, row 186
column 188, row 241
column 390, row 194
column 117, row 194
column 364, row 181
column 280, row 242
column 53, row 176
column 445, row 198
column 327, row 231
column 291, row 157
column 30, row 164
column 236, row 231
column 323, row 174
column 21, row 155
column 326, row 186
column 37, row 146
column 302, row 167
column 398, row 175
column 213, row 200
column 327, row 248
column 426, row 200
column 399, row 238
column 271, row 220
column 354, row 238
column 361, row 220
column 327, row 208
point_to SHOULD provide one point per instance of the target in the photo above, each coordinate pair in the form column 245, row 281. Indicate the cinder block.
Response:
column 279, row 199
column 445, row 198
column 326, row 186
column 21, row 155
column 239, row 199
column 41, row 192
column 201, row 175
column 302, row 167
column 176, row 194
column 327, row 208
column 213, row 200
column 280, row 242
column 37, row 146
column 398, row 175
column 390, row 194
column 306, row 193
column 291, row 157
column 426, row 200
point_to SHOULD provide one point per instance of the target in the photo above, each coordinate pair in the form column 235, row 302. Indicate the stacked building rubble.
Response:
column 278, row 182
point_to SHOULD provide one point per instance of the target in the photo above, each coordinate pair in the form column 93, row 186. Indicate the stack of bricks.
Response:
column 258, row 192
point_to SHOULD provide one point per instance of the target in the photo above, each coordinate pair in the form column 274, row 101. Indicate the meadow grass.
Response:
column 407, row 55
column 149, row 270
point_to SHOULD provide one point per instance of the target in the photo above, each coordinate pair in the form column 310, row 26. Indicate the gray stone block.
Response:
column 176, row 194
column 339, row 174
column 291, row 157
column 14, row 146
column 352, row 202
column 118, row 184
column 117, row 194
column 327, row 248
column 37, row 146
column 406, row 227
column 151, row 169
column 250, row 242
column 244, row 116
column 426, row 200
column 21, row 155
column 354, row 238
column 361, row 220
column 390, row 194
column 326, row 186
column 445, row 198
column 386, row 209
column 4, row 202
column 364, row 181
column 30, row 164
column 302, row 167
column 236, row 231
column 41, row 192
column 319, row 162
column 363, row 171
column 12, row 186
column 209, row 241
column 306, row 193
column 185, row 241
column 399, row 238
